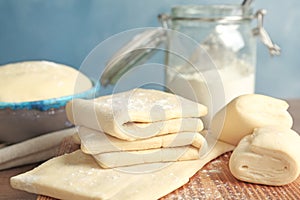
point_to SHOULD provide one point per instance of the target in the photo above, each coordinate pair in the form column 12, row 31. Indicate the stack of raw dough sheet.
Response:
column 139, row 126
column 78, row 176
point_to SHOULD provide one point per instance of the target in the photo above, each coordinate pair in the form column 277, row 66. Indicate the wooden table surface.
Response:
column 6, row 192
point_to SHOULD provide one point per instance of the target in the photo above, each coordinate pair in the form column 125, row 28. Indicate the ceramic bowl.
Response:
column 24, row 120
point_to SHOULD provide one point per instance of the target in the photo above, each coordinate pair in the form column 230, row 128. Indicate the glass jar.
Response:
column 225, row 33
column 210, row 52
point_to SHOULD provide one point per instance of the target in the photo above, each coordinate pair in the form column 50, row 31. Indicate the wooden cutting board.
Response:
column 214, row 181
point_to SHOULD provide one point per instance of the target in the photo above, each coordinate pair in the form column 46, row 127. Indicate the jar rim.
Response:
column 208, row 5
column 233, row 12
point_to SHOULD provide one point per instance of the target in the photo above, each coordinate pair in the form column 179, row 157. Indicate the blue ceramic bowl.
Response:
column 24, row 120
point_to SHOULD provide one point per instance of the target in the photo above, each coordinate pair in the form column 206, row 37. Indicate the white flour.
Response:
column 212, row 88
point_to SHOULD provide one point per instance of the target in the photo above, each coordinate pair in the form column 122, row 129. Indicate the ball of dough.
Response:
column 40, row 80
column 246, row 112
column 269, row 156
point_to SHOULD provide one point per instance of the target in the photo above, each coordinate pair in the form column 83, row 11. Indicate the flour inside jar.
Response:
column 225, row 83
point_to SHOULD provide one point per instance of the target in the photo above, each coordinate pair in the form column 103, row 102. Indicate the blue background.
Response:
column 66, row 31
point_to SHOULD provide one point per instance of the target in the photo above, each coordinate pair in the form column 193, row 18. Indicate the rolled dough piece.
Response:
column 128, row 158
column 269, row 156
column 137, row 114
column 78, row 176
column 246, row 112
column 96, row 142
column 39, row 156
column 33, row 150
column 39, row 80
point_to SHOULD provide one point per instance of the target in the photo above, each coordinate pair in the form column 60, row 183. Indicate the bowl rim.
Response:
column 47, row 104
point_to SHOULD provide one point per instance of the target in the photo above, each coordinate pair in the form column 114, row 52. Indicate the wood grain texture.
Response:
column 215, row 181
column 7, row 192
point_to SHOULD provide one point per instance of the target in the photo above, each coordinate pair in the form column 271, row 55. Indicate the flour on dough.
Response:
column 138, row 114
